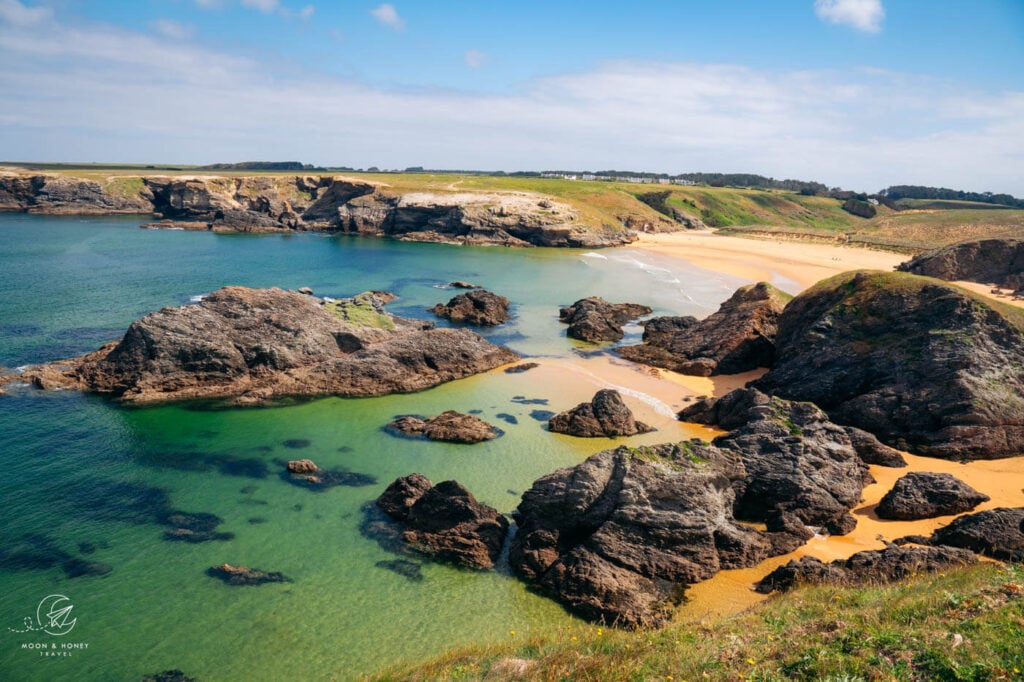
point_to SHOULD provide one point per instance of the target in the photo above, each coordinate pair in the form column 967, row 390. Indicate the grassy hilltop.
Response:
column 752, row 212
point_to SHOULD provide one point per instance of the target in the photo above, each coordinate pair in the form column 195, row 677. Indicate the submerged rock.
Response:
column 988, row 261
column 924, row 495
column 923, row 365
column 445, row 521
column 411, row 570
column 869, row 567
column 595, row 319
column 306, row 474
column 739, row 337
column 479, row 307
column 520, row 368
column 604, row 417
column 168, row 676
column 193, row 527
column 449, row 426
column 243, row 575
column 254, row 345
column 302, row 466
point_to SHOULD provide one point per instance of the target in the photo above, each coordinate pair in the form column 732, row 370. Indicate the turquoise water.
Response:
column 84, row 477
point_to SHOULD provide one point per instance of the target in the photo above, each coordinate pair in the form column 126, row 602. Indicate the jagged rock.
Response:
column 445, row 521
column 60, row 195
column 449, row 426
column 460, row 284
column 873, row 451
column 604, row 417
column 923, row 365
column 739, row 337
column 923, row 495
column 988, row 261
column 254, row 345
column 302, row 466
column 243, row 575
column 870, row 567
column 595, row 319
column 998, row 533
column 305, row 290
column 520, row 368
column 479, row 307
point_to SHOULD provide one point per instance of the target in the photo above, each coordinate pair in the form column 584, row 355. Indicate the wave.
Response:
column 198, row 298
column 594, row 254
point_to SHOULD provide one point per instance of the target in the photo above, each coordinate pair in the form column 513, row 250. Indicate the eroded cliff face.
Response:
column 321, row 203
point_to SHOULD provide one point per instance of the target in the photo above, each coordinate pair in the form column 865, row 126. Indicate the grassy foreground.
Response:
column 962, row 625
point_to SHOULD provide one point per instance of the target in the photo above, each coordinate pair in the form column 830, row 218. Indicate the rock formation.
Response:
column 618, row 537
column 999, row 262
column 306, row 474
column 445, row 521
column 479, row 307
column 922, row 495
column 739, row 337
column 243, row 575
column 254, row 345
column 923, row 365
column 595, row 319
column 997, row 533
column 449, row 426
column 605, row 416
column 871, row 567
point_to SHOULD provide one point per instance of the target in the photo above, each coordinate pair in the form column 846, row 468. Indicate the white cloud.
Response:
column 475, row 58
column 265, row 6
column 172, row 29
column 111, row 94
column 13, row 12
column 210, row 4
column 306, row 12
column 863, row 15
column 388, row 16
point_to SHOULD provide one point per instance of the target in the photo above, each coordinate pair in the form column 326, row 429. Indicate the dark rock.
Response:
column 869, row 567
column 859, row 208
column 306, row 474
column 921, row 495
column 297, row 443
column 193, row 527
column 445, row 521
column 594, row 319
column 604, row 417
column 479, row 307
column 449, row 426
column 460, row 284
column 169, row 676
column 305, row 290
column 302, row 466
column 76, row 567
column 541, row 415
column 998, row 533
column 243, row 575
column 988, row 261
column 923, row 365
column 520, row 368
column 873, row 451
column 254, row 345
column 403, row 567
column 739, row 337
column 507, row 418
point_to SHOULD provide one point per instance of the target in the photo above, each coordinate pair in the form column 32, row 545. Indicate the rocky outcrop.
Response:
column 449, row 426
column 924, row 495
column 923, row 365
column 595, row 319
column 287, row 203
column 869, row 567
column 999, row 262
column 859, row 208
column 478, row 307
column 618, row 537
column 445, row 521
column 997, row 533
column 605, row 416
column 871, row 451
column 306, row 474
column 253, row 345
column 243, row 575
column 739, row 337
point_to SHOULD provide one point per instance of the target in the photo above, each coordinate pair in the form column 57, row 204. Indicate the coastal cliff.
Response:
column 314, row 203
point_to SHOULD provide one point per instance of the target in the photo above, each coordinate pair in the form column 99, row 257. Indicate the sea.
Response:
column 87, row 484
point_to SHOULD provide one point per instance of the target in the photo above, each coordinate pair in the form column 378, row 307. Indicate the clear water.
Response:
column 87, row 477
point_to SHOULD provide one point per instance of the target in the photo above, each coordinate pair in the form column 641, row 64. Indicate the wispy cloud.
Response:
column 265, row 6
column 387, row 15
column 475, row 58
column 13, row 12
column 306, row 12
column 863, row 15
column 105, row 93
column 172, row 29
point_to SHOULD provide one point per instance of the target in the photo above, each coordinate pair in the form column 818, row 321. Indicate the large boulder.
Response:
column 923, row 365
column 988, row 261
column 739, row 337
column 604, row 417
column 445, row 521
column 449, row 426
column 869, row 567
column 924, row 495
column 479, row 307
column 998, row 533
column 619, row 537
column 254, row 345
column 594, row 319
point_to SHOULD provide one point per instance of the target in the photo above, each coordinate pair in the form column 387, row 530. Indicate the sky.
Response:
column 859, row 94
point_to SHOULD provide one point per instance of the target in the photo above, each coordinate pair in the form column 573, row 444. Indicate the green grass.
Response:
column 359, row 311
column 966, row 624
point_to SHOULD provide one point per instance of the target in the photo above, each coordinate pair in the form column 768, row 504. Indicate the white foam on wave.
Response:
column 198, row 298
column 594, row 254
column 657, row 405
column 21, row 369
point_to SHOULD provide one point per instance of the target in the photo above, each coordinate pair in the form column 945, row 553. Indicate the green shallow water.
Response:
column 88, row 478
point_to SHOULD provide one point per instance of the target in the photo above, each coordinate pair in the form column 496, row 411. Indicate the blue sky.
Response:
column 855, row 93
